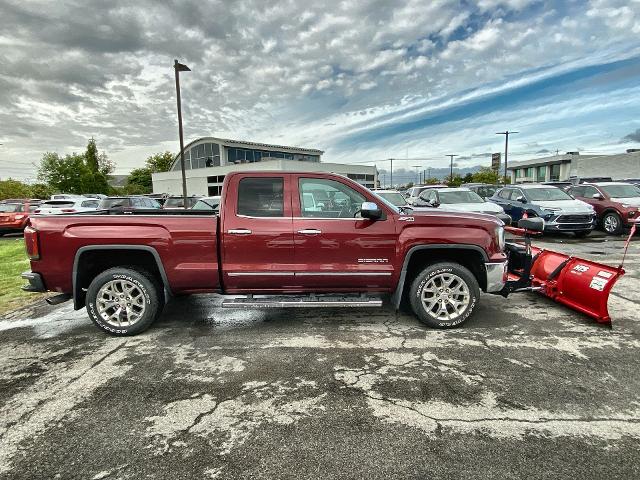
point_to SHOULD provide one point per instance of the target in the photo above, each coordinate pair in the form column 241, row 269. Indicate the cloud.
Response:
column 320, row 75
column 632, row 137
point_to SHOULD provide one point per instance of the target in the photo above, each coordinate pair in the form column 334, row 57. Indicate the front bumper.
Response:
column 557, row 223
column 36, row 284
column 496, row 276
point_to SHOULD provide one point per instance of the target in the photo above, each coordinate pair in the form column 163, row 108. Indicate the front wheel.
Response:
column 123, row 301
column 444, row 295
column 612, row 223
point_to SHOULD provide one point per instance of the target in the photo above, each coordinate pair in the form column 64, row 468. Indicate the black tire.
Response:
column 434, row 273
column 612, row 223
column 581, row 233
column 145, row 287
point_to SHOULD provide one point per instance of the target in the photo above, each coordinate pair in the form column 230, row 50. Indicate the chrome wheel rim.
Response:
column 610, row 223
column 120, row 303
column 445, row 296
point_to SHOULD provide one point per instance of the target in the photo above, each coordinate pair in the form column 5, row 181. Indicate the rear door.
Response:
column 257, row 234
column 336, row 249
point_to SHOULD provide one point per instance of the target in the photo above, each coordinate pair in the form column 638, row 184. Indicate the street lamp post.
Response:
column 451, row 167
column 417, row 173
column 179, row 67
column 506, row 134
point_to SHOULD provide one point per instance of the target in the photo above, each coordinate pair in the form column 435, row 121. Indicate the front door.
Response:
column 257, row 234
column 334, row 247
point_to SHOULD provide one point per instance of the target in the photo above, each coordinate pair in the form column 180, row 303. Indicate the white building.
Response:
column 208, row 160
column 572, row 165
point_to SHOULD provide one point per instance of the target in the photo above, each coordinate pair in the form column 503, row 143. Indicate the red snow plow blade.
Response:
column 582, row 285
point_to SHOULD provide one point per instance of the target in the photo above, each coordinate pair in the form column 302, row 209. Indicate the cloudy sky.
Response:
column 361, row 79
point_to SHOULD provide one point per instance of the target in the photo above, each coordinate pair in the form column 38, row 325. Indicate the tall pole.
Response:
column 178, row 67
column 417, row 173
column 451, row 167
column 391, row 173
column 506, row 134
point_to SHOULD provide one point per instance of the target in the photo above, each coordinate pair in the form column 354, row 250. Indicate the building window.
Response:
column 518, row 172
column 529, row 172
column 555, row 172
column 541, row 174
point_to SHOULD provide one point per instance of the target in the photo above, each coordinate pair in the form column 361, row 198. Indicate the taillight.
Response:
column 68, row 210
column 31, row 243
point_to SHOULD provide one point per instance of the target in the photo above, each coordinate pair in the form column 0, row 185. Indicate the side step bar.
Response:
column 302, row 301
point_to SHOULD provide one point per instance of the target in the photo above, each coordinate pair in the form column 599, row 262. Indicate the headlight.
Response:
column 500, row 237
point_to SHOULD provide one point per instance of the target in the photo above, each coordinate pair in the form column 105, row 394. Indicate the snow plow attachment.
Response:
column 582, row 285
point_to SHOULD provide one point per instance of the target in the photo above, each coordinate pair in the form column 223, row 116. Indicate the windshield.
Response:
column 621, row 191
column 207, row 204
column 460, row 196
column 395, row 198
column 386, row 202
column 114, row 203
column 10, row 207
column 547, row 194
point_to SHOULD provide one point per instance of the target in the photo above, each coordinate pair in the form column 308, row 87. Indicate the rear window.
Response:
column 261, row 197
column 90, row 203
column 58, row 204
column 459, row 196
column 178, row 202
column 10, row 207
column 114, row 203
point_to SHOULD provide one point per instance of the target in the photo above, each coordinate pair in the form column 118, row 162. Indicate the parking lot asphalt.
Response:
column 527, row 388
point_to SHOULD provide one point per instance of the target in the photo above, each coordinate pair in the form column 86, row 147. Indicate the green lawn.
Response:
column 13, row 261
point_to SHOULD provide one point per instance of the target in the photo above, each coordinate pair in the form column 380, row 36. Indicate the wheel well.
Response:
column 91, row 263
column 468, row 258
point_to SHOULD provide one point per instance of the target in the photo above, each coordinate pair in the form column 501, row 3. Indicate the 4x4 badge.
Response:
column 405, row 219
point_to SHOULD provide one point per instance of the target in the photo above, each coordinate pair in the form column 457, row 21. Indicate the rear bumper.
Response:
column 36, row 284
column 496, row 276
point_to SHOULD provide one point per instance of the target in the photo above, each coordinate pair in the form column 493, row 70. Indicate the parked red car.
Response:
column 615, row 203
column 14, row 215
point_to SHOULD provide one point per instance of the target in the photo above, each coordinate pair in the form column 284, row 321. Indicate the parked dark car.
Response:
column 560, row 211
column 178, row 202
column 615, row 203
column 128, row 203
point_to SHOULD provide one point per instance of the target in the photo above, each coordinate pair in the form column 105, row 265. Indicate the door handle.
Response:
column 239, row 231
column 310, row 231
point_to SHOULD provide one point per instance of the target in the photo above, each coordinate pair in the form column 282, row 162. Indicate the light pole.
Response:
column 391, row 173
column 451, row 168
column 179, row 67
column 506, row 134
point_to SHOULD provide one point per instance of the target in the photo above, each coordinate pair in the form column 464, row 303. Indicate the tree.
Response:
column 486, row 175
column 468, row 178
column 456, row 181
column 14, row 189
column 160, row 162
column 140, row 179
column 41, row 190
column 91, row 156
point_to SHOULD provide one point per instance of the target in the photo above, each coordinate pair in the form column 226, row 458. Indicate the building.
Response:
column 572, row 165
column 207, row 161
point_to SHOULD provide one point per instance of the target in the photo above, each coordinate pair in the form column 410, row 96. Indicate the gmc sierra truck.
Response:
column 279, row 240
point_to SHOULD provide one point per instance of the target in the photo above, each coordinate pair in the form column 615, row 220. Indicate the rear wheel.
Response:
column 444, row 295
column 581, row 233
column 123, row 301
column 612, row 223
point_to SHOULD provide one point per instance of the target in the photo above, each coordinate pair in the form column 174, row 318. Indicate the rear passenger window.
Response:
column 261, row 197
column 505, row 193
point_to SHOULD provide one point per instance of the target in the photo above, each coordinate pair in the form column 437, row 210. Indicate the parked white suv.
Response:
column 69, row 205
column 455, row 200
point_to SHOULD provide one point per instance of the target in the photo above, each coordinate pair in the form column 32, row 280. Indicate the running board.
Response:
column 302, row 301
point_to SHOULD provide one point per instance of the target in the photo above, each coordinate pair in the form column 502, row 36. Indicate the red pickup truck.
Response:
column 280, row 240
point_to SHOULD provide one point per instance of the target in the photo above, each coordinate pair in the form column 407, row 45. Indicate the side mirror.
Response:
column 521, row 199
column 598, row 196
column 370, row 210
column 505, row 218
column 434, row 203
column 535, row 224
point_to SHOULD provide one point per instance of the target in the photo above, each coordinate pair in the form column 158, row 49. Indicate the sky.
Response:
column 363, row 80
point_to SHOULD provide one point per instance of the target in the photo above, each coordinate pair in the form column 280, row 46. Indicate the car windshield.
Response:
column 621, row 191
column 459, row 196
column 547, row 194
column 395, row 198
column 207, row 204
column 114, row 203
column 386, row 202
column 10, row 207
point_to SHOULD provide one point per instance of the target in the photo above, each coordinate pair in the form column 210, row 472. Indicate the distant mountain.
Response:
column 402, row 176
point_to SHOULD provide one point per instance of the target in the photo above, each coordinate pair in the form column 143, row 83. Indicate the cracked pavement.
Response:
column 525, row 388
